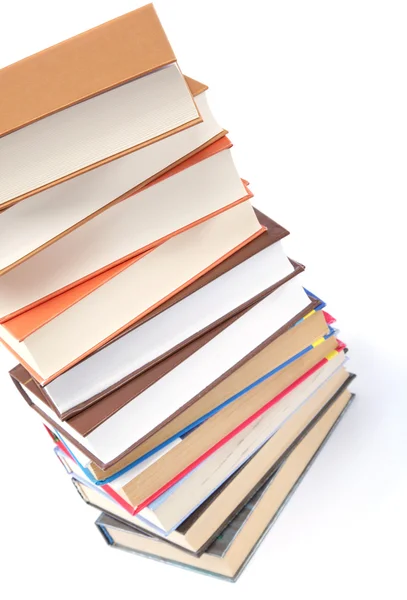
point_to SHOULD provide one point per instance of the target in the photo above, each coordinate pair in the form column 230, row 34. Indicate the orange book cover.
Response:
column 29, row 321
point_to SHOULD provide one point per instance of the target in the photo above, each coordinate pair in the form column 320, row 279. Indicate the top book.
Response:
column 56, row 104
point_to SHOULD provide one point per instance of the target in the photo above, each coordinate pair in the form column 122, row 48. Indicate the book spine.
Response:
column 108, row 539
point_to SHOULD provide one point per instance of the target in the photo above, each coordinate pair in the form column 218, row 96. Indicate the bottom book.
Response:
column 228, row 555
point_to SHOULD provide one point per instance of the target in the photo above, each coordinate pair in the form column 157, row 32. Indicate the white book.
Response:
column 121, row 231
column 32, row 223
column 130, row 352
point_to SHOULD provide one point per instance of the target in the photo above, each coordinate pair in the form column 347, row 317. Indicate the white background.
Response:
column 314, row 95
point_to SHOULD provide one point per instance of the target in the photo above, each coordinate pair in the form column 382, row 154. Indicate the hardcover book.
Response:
column 118, row 83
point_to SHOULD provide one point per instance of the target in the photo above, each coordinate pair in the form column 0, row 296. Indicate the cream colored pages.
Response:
column 31, row 223
column 94, row 130
column 172, row 204
column 133, row 291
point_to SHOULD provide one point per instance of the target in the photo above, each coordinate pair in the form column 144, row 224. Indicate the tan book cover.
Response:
column 80, row 68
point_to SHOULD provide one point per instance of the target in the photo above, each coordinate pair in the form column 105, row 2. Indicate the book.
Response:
column 35, row 224
column 117, row 83
column 169, row 508
column 231, row 288
column 236, row 544
column 169, row 387
column 200, row 188
column 200, row 528
column 281, row 352
column 104, row 308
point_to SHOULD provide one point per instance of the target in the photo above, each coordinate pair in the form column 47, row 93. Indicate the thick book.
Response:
column 201, row 187
column 286, row 349
column 117, row 83
column 238, row 541
column 201, row 527
column 168, row 387
column 42, row 337
column 231, row 288
column 30, row 226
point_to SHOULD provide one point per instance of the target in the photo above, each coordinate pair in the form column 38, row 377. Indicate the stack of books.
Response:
column 165, row 340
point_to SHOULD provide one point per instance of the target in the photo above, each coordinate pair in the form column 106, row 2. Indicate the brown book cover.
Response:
column 195, row 87
column 80, row 68
column 273, row 234
column 92, row 417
